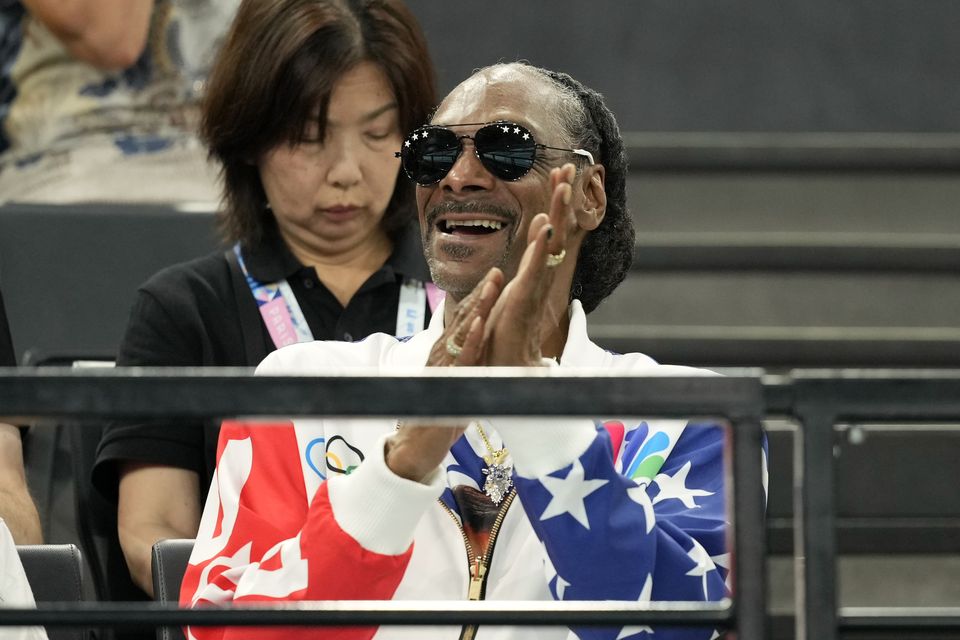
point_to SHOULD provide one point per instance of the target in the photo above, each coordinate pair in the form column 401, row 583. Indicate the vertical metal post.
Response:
column 815, row 545
column 750, row 531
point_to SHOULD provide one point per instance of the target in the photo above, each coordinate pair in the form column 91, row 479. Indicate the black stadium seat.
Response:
column 169, row 564
column 55, row 573
column 70, row 272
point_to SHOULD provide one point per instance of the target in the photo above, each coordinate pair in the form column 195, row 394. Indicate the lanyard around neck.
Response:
column 286, row 323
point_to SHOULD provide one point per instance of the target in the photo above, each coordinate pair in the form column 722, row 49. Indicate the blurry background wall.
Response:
column 725, row 65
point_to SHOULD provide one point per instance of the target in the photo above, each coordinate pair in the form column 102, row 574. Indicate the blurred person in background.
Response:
column 306, row 106
column 16, row 506
column 19, row 523
column 99, row 99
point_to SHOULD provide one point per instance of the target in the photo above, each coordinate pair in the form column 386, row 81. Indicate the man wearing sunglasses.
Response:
column 522, row 205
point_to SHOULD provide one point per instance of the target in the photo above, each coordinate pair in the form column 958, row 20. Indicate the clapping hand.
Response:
column 516, row 322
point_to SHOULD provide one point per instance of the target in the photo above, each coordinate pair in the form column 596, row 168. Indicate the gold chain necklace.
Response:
column 499, row 481
column 498, row 471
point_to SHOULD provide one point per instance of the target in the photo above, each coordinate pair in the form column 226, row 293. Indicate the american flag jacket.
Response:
column 614, row 509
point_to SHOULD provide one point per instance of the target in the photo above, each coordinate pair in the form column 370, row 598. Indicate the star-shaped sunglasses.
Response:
column 506, row 149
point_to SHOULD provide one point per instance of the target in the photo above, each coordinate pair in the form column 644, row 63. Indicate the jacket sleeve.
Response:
column 260, row 540
column 610, row 536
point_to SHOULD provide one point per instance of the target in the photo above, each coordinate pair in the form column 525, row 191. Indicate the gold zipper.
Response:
column 478, row 565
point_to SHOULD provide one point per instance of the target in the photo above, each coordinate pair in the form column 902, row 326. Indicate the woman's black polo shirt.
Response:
column 191, row 314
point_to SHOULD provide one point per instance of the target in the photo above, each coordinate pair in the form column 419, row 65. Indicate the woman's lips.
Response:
column 340, row 213
column 346, row 208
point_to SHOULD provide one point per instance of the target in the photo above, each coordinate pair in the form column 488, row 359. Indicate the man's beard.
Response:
column 459, row 287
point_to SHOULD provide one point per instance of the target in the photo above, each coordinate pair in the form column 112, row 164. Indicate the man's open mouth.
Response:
column 470, row 227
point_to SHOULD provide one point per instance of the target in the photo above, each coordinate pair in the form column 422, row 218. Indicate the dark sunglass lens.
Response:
column 506, row 149
column 429, row 153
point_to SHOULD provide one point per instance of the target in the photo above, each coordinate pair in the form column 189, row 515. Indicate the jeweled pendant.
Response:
column 498, row 481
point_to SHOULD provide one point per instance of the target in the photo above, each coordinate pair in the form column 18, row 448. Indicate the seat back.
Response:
column 55, row 574
column 169, row 563
column 70, row 272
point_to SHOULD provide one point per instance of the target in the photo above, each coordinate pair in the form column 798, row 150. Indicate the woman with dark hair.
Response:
column 306, row 106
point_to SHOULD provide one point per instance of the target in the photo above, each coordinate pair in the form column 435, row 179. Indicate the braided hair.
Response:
column 607, row 251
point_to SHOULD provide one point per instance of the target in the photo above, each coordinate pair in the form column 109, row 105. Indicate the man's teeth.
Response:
column 489, row 224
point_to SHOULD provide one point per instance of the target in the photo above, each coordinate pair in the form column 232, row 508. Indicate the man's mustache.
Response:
column 469, row 207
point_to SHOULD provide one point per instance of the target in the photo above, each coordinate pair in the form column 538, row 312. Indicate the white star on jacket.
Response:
column 704, row 564
column 723, row 561
column 645, row 596
column 567, row 494
column 639, row 495
column 551, row 573
column 628, row 632
column 675, row 486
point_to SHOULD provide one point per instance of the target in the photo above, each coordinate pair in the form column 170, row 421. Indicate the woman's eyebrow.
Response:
column 367, row 117
column 373, row 115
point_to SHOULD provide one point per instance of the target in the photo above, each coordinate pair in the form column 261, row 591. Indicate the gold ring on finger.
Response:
column 453, row 348
column 553, row 259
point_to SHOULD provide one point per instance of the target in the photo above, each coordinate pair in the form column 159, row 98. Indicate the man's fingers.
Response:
column 532, row 279
column 539, row 221
column 561, row 207
column 449, row 349
column 514, row 322
column 484, row 311
column 481, row 300
column 488, row 296
column 472, row 345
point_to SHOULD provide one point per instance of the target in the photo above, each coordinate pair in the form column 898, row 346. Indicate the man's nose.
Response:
column 467, row 172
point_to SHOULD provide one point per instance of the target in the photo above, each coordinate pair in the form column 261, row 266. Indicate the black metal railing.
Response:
column 820, row 401
column 205, row 393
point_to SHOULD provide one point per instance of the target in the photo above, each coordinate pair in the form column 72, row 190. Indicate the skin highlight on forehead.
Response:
column 506, row 91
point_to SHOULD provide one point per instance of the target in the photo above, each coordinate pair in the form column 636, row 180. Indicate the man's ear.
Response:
column 594, row 198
